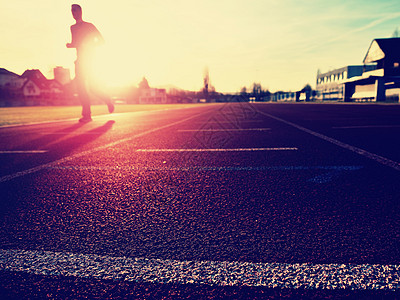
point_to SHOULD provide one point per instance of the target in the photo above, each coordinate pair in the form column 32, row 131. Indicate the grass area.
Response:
column 34, row 114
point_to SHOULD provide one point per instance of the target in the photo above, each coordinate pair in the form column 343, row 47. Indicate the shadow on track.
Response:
column 57, row 148
column 48, row 138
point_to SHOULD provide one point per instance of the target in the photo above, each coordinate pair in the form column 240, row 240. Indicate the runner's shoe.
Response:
column 110, row 107
column 85, row 120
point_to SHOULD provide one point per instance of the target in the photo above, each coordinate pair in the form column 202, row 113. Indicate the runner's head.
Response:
column 76, row 10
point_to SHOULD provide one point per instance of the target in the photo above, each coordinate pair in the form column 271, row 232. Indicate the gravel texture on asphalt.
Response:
column 96, row 217
column 221, row 273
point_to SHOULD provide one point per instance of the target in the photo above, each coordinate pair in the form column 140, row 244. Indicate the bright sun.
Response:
column 112, row 68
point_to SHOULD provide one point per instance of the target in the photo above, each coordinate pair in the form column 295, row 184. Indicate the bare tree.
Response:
column 206, row 82
column 396, row 33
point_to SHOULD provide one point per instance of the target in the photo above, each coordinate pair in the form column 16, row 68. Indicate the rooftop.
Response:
column 383, row 48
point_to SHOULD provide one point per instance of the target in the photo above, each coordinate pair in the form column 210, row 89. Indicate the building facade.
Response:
column 11, row 84
column 37, row 85
column 31, row 88
column 62, row 75
column 153, row 95
column 330, row 85
column 383, row 82
column 283, row 96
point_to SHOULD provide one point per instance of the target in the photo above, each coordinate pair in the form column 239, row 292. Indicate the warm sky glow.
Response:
column 279, row 43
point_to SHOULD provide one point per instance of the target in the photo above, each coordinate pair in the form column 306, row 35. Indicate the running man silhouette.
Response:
column 85, row 37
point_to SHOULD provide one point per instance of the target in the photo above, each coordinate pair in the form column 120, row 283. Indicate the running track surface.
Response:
column 225, row 200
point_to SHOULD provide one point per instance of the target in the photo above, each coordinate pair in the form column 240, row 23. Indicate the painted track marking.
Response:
column 219, row 150
column 223, row 130
column 221, row 273
column 380, row 159
column 74, row 133
column 69, row 158
column 367, row 126
column 24, row 151
column 230, row 122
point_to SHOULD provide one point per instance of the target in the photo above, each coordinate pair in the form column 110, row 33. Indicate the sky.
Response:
column 278, row 43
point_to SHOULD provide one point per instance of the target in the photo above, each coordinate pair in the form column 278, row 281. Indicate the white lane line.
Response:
column 367, row 126
column 223, row 130
column 231, row 122
column 219, row 150
column 219, row 273
column 74, row 133
column 88, row 152
column 23, row 151
column 380, row 159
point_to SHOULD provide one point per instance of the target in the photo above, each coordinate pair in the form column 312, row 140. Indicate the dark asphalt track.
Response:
column 110, row 188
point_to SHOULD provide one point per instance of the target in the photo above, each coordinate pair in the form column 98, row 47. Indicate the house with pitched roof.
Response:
column 383, row 82
column 30, row 88
column 10, row 88
column 7, row 78
column 37, row 85
column 10, row 82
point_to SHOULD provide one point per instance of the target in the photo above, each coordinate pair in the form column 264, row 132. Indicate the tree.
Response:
column 144, row 85
column 307, row 88
column 396, row 33
column 206, row 81
column 310, row 93
column 208, row 89
column 259, row 93
column 257, row 89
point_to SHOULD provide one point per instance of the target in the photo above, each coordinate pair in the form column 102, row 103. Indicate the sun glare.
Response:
column 113, row 68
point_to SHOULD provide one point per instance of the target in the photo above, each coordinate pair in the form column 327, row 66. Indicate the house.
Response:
column 31, row 88
column 10, row 88
column 153, row 95
column 10, row 82
column 37, row 85
column 383, row 82
column 304, row 95
column 62, row 75
column 281, row 96
column 7, row 78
